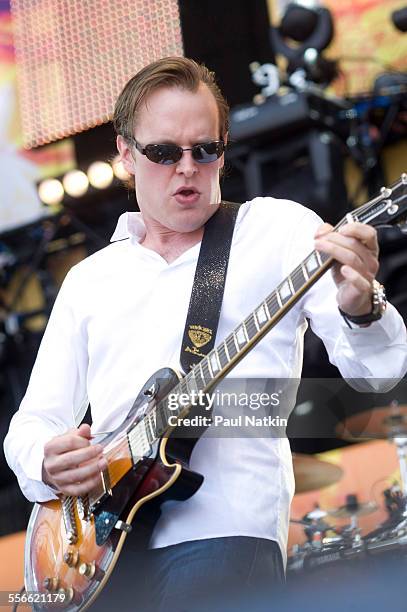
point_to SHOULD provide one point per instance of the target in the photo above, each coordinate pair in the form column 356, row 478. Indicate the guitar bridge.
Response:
column 68, row 515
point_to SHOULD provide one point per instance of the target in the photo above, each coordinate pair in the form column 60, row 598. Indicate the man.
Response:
column 120, row 316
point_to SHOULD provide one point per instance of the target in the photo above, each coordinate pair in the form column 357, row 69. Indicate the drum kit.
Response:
column 330, row 545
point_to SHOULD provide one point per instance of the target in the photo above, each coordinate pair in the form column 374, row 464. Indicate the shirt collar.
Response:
column 129, row 225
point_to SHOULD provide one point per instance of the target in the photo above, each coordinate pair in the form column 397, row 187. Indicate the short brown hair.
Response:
column 166, row 72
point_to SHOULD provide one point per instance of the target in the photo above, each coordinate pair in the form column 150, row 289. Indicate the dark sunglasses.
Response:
column 166, row 154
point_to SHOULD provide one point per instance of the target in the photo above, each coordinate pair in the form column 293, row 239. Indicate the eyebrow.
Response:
column 174, row 142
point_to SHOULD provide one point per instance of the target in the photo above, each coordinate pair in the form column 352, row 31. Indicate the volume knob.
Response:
column 71, row 558
column 87, row 569
column 67, row 594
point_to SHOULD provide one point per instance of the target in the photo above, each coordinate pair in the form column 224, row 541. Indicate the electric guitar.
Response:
column 73, row 543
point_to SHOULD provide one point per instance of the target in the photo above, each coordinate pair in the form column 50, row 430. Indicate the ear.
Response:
column 125, row 153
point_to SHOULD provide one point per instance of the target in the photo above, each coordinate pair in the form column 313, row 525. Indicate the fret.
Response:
column 223, row 359
column 235, row 341
column 280, row 303
column 191, row 382
column 304, row 271
column 183, row 385
column 318, row 256
column 202, row 375
column 284, row 291
column 199, row 379
column 256, row 321
column 272, row 303
column 290, row 283
column 225, row 345
column 298, row 278
column 231, row 346
column 250, row 326
column 261, row 314
column 241, row 335
column 266, row 310
column 311, row 263
column 215, row 365
column 206, row 372
column 208, row 364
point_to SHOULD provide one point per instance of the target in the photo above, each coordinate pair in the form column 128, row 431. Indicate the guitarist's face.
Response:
column 184, row 118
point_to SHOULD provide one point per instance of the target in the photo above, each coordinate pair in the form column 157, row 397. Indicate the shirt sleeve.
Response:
column 55, row 394
column 372, row 358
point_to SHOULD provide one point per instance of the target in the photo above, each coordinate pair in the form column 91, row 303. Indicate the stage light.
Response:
column 119, row 170
column 63, row 49
column 75, row 183
column 51, row 191
column 100, row 174
column 305, row 31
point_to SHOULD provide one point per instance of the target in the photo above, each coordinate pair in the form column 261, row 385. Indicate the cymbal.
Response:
column 383, row 422
column 347, row 511
column 311, row 473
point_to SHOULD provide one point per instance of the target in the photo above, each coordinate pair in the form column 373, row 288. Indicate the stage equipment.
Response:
column 399, row 18
column 389, row 422
column 310, row 31
column 292, row 146
column 227, row 36
column 311, row 473
column 73, row 58
column 283, row 114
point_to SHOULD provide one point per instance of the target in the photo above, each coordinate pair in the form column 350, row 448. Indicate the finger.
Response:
column 366, row 257
column 79, row 474
column 325, row 228
column 351, row 252
column 69, row 460
column 66, row 442
column 79, row 489
column 364, row 233
column 85, row 431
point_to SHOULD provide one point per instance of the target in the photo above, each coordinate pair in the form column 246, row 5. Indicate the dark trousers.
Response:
column 236, row 573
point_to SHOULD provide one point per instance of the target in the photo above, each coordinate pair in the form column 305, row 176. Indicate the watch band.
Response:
column 379, row 304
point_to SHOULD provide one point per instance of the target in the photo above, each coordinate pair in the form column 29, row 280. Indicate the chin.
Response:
column 192, row 219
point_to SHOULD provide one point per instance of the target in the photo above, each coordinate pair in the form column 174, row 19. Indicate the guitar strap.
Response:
column 209, row 284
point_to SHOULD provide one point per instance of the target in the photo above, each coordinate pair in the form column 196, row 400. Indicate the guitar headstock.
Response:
column 387, row 209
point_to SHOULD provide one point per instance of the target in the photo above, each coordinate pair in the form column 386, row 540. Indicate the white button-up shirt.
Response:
column 120, row 316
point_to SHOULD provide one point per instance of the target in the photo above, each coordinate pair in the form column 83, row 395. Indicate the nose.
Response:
column 187, row 165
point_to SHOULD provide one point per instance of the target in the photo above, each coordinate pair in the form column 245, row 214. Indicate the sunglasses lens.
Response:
column 208, row 152
column 165, row 154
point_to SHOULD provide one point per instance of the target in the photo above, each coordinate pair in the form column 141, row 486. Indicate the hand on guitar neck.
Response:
column 72, row 465
column 354, row 247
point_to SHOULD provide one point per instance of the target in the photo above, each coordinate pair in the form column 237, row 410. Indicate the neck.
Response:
column 171, row 244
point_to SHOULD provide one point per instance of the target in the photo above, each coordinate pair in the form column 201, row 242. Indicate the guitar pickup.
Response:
column 139, row 442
